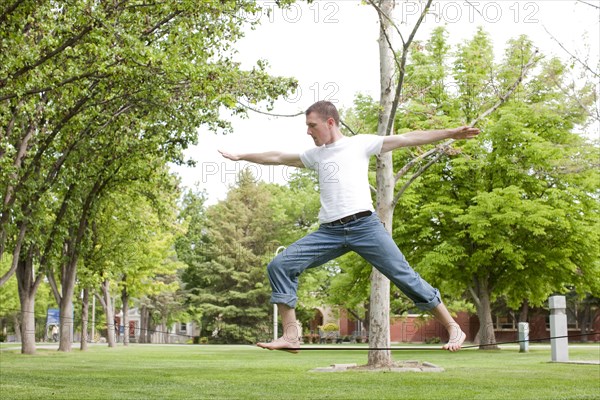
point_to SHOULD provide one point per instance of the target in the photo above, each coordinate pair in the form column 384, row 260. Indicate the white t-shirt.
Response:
column 343, row 169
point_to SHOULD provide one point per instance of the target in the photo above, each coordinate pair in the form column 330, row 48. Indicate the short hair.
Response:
column 325, row 109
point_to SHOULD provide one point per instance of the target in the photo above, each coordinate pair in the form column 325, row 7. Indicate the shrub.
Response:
column 433, row 340
column 330, row 327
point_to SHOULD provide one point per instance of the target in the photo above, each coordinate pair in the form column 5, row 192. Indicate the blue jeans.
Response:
column 367, row 237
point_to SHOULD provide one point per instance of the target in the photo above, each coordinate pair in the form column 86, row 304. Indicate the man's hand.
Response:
column 230, row 156
column 464, row 132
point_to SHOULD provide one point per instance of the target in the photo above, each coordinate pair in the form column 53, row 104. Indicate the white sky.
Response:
column 331, row 48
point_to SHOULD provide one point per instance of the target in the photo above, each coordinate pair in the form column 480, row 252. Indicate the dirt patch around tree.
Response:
column 399, row 366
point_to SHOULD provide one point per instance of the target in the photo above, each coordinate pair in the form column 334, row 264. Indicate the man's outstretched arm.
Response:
column 267, row 158
column 418, row 138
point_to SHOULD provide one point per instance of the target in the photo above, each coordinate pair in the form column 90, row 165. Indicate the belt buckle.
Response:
column 348, row 218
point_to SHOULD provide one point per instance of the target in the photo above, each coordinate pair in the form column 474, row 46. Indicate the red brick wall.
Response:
column 417, row 329
column 595, row 328
column 346, row 325
column 537, row 326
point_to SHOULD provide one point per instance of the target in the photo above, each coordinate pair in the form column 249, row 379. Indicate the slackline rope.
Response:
column 437, row 348
column 359, row 348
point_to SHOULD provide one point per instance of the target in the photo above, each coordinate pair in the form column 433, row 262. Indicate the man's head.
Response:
column 322, row 121
column 326, row 110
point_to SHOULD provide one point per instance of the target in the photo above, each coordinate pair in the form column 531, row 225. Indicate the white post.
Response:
column 275, row 335
column 558, row 328
column 523, row 337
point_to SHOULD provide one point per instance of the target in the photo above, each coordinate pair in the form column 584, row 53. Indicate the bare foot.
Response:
column 283, row 343
column 457, row 337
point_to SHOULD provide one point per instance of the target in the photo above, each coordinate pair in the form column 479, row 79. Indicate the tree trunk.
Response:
column 68, row 278
column 109, row 312
column 17, row 321
column 125, row 321
column 69, row 271
column 143, row 325
column 586, row 320
column 524, row 312
column 28, row 284
column 487, row 336
column 151, row 328
column 27, row 321
column 66, row 324
column 85, row 303
column 379, row 315
column 165, row 332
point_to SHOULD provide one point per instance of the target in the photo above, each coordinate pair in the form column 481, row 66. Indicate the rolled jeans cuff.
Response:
column 282, row 298
column 433, row 303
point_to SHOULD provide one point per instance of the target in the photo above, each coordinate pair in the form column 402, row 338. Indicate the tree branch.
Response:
column 381, row 13
column 16, row 254
column 347, row 127
column 60, row 84
column 415, row 176
column 589, row 4
column 54, row 286
column 444, row 147
column 402, row 71
column 412, row 162
column 574, row 96
column 510, row 91
column 596, row 74
column 9, row 9
column 11, row 123
column 160, row 23
column 67, row 43
column 475, row 297
column 268, row 113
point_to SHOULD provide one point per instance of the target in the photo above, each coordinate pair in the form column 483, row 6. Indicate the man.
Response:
column 55, row 333
column 347, row 219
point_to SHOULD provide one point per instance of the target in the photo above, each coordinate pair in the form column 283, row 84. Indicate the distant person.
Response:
column 54, row 333
column 348, row 221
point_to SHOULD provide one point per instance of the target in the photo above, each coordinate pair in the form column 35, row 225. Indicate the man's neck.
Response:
column 335, row 137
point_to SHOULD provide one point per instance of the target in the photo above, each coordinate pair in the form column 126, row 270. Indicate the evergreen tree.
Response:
column 226, row 278
column 228, row 246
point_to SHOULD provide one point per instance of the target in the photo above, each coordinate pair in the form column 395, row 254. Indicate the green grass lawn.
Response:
column 246, row 372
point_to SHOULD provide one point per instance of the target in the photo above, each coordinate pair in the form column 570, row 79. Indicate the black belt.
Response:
column 350, row 218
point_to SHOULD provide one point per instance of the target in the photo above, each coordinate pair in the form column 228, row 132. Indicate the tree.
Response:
column 515, row 217
column 133, row 233
column 9, row 303
column 389, row 96
column 227, row 247
column 112, row 78
column 227, row 281
column 431, row 105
